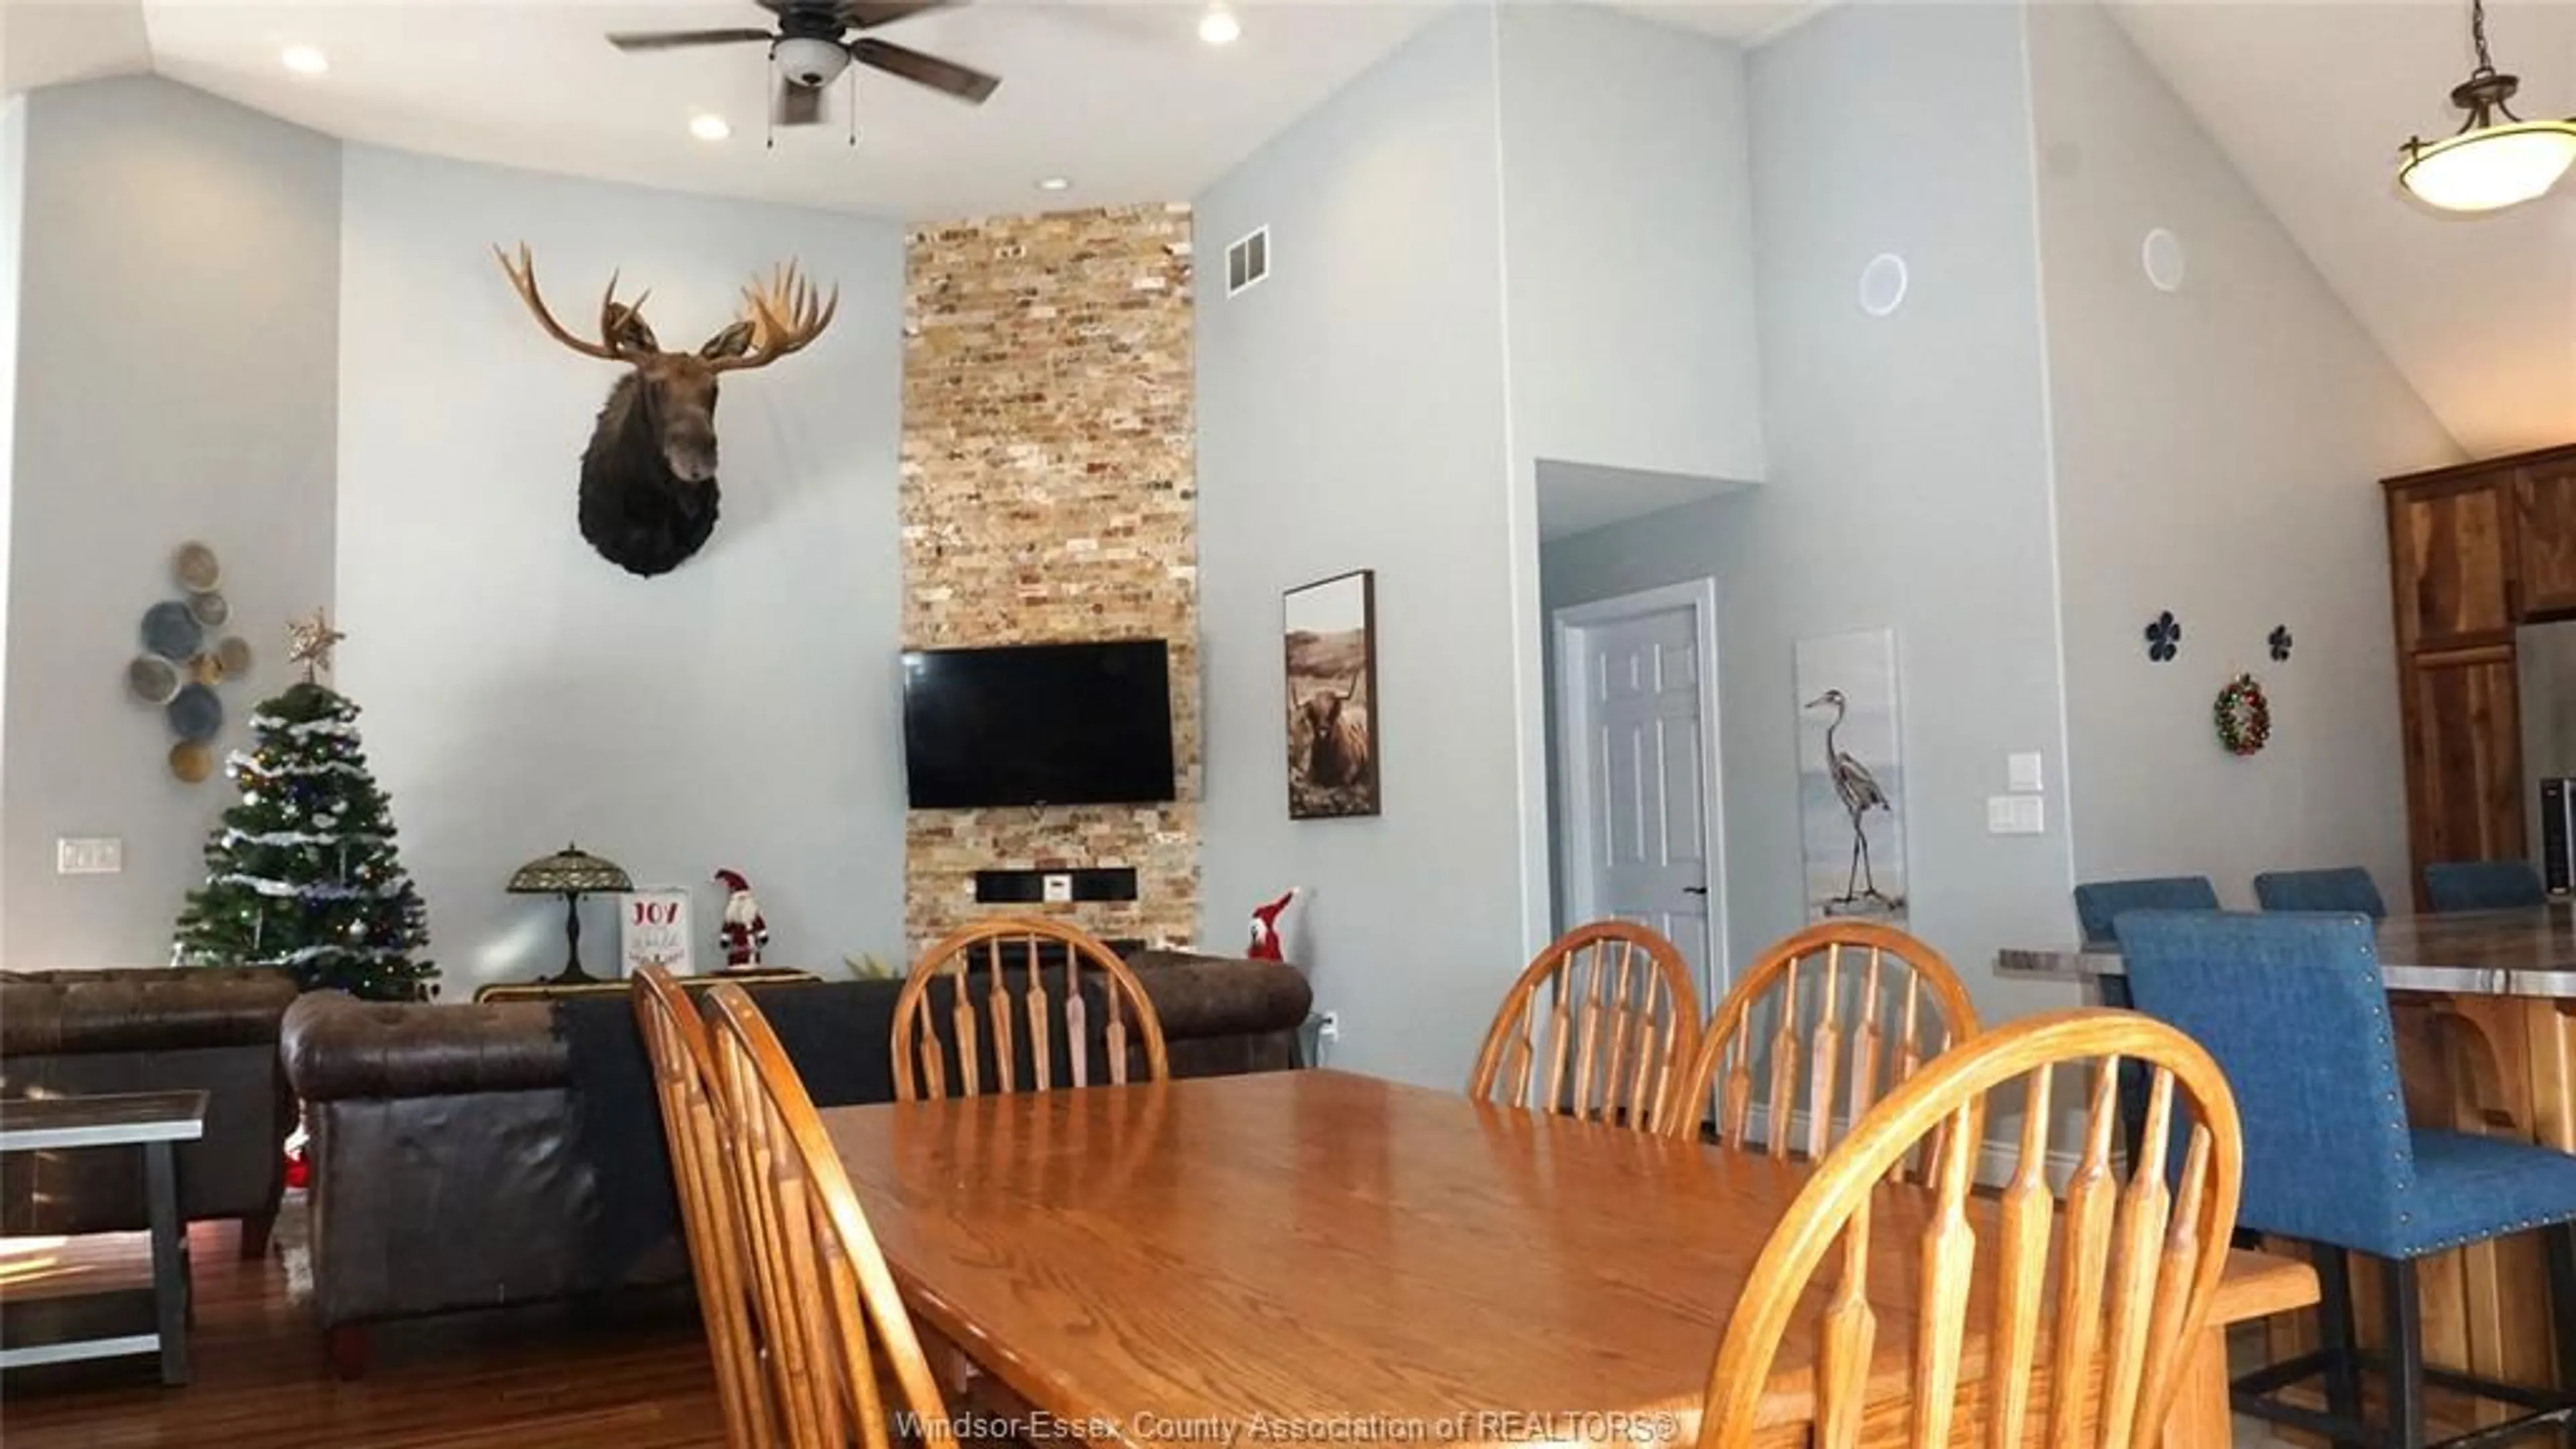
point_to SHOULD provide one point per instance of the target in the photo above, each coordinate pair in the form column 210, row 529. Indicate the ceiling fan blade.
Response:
column 940, row 75
column 795, row 105
column 677, row 39
column 869, row 14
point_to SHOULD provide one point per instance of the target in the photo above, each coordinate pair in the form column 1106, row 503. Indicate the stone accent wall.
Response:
column 1049, row 495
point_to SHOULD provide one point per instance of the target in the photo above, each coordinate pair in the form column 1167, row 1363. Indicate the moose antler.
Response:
column 786, row 316
column 621, row 326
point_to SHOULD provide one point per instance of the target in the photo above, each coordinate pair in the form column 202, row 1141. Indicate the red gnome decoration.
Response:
column 744, row 931
column 1265, row 928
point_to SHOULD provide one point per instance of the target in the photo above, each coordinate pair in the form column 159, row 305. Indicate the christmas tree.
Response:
column 302, row 873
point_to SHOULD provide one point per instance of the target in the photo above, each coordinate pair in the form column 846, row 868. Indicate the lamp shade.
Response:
column 569, row 871
column 2490, row 166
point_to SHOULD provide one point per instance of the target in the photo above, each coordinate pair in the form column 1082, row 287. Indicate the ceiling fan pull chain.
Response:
column 852, row 105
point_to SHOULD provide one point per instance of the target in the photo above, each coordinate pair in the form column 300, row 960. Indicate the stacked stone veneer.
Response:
column 1049, row 496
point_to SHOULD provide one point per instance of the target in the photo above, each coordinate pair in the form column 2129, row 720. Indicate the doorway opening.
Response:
column 1634, row 769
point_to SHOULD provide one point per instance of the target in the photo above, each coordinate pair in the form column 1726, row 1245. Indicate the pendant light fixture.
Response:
column 2489, row 163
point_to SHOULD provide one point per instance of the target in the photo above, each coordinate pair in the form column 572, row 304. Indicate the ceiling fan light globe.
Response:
column 808, row 61
column 2490, row 167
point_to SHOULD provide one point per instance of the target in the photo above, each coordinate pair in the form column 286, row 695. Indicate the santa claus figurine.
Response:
column 1265, row 928
column 744, row 932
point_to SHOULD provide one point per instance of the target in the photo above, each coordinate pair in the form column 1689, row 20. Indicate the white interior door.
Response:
column 1639, row 761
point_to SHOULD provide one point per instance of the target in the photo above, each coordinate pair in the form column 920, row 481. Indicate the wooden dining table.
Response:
column 1316, row 1256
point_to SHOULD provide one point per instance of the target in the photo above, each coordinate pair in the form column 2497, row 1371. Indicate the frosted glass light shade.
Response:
column 2490, row 167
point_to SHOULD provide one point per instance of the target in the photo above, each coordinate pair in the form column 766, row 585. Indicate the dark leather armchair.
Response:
column 149, row 1030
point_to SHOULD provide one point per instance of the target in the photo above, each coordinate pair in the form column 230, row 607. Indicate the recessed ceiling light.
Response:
column 708, row 126
column 1219, row 27
column 304, row 59
column 1054, row 183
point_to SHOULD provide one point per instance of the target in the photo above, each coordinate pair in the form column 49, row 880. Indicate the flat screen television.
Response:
column 1039, row 724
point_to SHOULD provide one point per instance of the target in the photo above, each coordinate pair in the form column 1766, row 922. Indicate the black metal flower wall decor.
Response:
column 2164, row 637
column 2280, row 642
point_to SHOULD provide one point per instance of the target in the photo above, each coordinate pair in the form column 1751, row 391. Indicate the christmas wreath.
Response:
column 2243, row 715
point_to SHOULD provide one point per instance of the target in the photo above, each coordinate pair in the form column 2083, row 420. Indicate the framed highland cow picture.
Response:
column 1331, row 629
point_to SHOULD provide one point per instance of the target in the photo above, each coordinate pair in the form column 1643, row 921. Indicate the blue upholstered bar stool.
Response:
column 2343, row 888
column 2296, row 1012
column 2483, row 885
column 2099, row 903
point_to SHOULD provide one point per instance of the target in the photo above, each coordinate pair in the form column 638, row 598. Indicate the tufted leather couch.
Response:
column 147, row 1030
column 450, row 1166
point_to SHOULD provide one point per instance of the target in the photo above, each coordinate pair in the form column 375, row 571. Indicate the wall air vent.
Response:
column 1247, row 261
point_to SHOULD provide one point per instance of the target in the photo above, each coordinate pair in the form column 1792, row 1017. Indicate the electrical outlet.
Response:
column 1330, row 1028
column 89, row 855
column 1059, row 887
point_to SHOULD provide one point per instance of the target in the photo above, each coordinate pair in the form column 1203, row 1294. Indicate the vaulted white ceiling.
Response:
column 1123, row 100
column 2310, row 100
column 2308, row 97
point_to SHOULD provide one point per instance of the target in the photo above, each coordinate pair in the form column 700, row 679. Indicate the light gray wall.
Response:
column 520, row 691
column 2218, row 454
column 1628, row 293
column 13, row 182
column 1628, row 243
column 1909, row 480
column 1351, row 415
column 178, row 304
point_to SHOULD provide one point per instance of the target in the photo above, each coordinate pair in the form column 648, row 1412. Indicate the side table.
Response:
column 127, row 1321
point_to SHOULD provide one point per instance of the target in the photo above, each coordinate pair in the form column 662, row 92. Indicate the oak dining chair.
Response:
column 1015, row 1003
column 2095, row 1349
column 710, row 1213
column 1844, row 1011
column 829, row 1307
column 1597, row 1027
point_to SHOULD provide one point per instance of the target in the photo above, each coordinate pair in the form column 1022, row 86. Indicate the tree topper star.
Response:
column 309, row 642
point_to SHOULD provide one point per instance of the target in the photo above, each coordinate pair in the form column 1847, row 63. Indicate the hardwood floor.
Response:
column 633, row 1375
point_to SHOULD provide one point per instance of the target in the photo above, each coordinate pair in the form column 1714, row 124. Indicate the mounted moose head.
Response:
column 648, row 478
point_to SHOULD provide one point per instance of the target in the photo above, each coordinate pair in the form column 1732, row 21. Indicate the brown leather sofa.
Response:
column 452, row 1167
column 149, row 1030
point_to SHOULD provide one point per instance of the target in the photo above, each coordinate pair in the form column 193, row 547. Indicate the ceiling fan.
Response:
column 816, row 40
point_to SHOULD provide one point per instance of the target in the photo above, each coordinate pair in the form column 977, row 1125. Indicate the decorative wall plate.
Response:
column 206, row 669
column 210, row 609
column 233, row 652
column 196, row 714
column 152, row 678
column 191, row 761
column 196, row 568
column 172, row 632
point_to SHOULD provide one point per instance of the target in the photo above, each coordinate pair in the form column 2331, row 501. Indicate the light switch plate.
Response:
column 2022, row 772
column 89, row 855
column 1059, row 887
column 2016, row 815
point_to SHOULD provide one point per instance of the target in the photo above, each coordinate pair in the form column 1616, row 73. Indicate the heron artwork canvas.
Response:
column 1851, row 776
column 1331, row 629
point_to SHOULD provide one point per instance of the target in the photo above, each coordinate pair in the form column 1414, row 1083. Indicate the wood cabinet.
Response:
column 2473, row 553
column 2464, row 766
column 2545, row 517
column 2450, row 555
